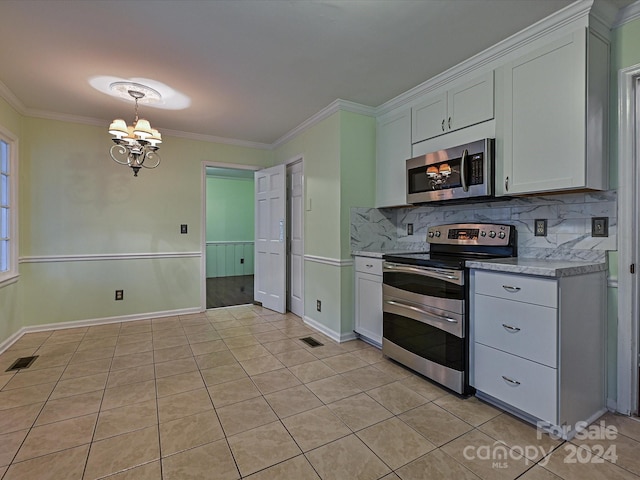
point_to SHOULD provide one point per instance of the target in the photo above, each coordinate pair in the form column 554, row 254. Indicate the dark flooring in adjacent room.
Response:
column 229, row 291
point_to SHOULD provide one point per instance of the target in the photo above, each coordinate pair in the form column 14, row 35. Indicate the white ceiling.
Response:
column 253, row 69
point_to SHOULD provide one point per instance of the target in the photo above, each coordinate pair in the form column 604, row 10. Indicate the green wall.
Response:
column 75, row 203
column 230, row 209
column 230, row 218
column 339, row 170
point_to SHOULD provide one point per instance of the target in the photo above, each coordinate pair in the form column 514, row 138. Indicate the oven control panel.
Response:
column 471, row 234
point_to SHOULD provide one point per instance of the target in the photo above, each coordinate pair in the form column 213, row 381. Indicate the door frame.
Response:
column 203, row 221
column 628, row 234
column 288, row 163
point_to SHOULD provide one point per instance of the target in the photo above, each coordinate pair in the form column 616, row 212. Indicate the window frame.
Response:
column 11, row 275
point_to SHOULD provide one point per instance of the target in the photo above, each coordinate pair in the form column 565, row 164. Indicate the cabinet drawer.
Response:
column 523, row 329
column 522, row 288
column 523, row 384
column 369, row 265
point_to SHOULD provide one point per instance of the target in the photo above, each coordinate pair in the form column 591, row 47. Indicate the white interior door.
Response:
column 271, row 226
column 295, row 210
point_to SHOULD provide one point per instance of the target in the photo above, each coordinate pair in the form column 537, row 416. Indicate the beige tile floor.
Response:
column 234, row 393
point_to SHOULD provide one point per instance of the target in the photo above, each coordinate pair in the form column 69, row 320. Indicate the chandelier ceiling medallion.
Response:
column 135, row 145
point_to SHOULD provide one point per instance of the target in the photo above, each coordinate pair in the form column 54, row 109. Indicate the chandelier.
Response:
column 135, row 145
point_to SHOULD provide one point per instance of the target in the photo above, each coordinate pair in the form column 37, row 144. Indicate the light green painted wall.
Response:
column 357, row 170
column 74, row 200
column 339, row 169
column 10, row 312
column 230, row 209
column 624, row 53
column 320, row 148
column 230, row 218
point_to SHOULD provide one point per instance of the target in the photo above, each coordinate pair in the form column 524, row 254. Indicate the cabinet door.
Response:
column 393, row 148
column 544, row 119
column 470, row 103
column 429, row 118
column 368, row 321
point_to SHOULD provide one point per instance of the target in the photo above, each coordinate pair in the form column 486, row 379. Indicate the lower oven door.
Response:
column 428, row 340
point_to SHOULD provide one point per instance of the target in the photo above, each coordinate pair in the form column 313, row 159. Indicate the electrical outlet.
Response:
column 183, row 228
column 409, row 228
column 318, row 305
column 242, row 260
column 540, row 227
column 600, row 227
column 119, row 294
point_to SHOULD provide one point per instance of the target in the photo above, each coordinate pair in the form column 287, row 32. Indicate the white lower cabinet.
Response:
column 538, row 345
column 368, row 299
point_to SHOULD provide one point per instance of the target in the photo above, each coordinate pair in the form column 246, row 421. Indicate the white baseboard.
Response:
column 332, row 334
column 92, row 322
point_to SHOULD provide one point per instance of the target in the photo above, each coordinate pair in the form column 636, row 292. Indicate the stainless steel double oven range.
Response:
column 426, row 300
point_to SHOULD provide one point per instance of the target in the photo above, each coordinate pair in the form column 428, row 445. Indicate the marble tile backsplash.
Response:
column 568, row 224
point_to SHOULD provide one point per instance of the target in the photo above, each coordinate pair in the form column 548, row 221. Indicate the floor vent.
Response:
column 312, row 342
column 23, row 362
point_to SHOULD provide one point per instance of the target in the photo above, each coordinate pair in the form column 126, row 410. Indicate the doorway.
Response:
column 295, row 206
column 229, row 236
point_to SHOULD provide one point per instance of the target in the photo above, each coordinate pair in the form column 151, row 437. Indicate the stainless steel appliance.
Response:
column 464, row 172
column 425, row 300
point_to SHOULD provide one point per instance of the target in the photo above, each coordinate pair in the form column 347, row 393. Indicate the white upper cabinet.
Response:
column 462, row 106
column 554, row 121
column 393, row 148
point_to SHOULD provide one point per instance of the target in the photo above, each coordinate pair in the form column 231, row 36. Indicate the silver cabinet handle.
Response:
column 449, row 123
column 506, row 184
column 443, row 124
column 511, row 289
column 368, row 265
column 510, row 328
column 510, row 381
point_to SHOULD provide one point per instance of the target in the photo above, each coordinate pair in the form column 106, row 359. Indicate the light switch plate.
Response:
column 600, row 227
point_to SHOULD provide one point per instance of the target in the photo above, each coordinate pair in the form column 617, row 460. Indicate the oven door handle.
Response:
column 434, row 273
column 422, row 311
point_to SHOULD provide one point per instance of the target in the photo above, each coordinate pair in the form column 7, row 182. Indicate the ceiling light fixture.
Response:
column 138, row 143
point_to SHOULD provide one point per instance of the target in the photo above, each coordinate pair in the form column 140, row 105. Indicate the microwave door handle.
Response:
column 463, row 170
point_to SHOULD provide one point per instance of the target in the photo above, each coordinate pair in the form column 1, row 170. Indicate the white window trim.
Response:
column 11, row 276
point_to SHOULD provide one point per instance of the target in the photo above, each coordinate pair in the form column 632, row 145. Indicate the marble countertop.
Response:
column 536, row 266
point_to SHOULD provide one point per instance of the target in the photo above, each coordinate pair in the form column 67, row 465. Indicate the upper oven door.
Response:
column 455, row 173
column 443, row 289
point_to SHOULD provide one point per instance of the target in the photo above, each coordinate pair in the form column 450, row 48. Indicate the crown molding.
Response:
column 214, row 139
column 567, row 15
column 11, row 99
column 627, row 14
column 333, row 107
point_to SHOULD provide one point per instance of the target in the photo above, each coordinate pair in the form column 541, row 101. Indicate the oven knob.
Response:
column 492, row 234
column 430, row 234
column 501, row 235
column 483, row 233
column 437, row 233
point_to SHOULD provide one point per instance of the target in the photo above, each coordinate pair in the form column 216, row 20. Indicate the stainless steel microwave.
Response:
column 463, row 173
